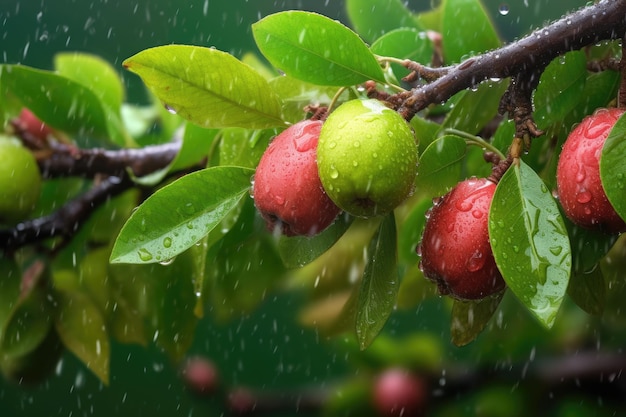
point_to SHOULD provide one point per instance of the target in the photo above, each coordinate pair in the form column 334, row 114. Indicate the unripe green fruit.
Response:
column 20, row 181
column 367, row 158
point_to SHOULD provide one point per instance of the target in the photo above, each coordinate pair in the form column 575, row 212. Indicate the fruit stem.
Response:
column 475, row 140
column 335, row 98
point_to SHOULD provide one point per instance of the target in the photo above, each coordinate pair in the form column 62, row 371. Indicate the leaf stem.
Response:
column 475, row 140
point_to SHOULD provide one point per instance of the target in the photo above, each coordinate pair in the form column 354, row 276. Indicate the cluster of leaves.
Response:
column 197, row 242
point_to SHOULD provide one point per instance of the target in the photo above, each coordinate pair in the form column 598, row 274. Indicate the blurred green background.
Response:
column 267, row 349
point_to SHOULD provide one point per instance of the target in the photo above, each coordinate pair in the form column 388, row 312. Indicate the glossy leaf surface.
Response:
column 530, row 243
column 379, row 286
column 207, row 87
column 181, row 213
column 316, row 49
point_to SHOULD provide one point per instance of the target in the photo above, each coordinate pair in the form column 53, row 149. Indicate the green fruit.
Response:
column 20, row 181
column 367, row 158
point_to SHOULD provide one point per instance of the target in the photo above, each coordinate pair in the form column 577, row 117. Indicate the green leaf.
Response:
column 244, row 147
column 83, row 331
column 469, row 318
column 10, row 281
column 27, row 325
column 374, row 18
column 94, row 73
column 197, row 144
column 296, row 94
column 588, row 290
column 171, row 304
column 613, row 167
column 410, row 44
column 560, row 88
column 63, row 103
column 466, row 30
column 379, row 286
column 207, row 87
column 316, row 49
column 440, row 165
column 475, row 108
column 298, row 251
column 530, row 242
column 178, row 215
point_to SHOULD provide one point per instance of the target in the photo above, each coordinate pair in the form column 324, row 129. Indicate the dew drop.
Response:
column 169, row 109
column 464, row 205
column 475, row 262
column 556, row 250
column 144, row 255
column 583, row 197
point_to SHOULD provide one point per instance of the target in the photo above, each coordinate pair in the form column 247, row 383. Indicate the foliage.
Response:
column 194, row 240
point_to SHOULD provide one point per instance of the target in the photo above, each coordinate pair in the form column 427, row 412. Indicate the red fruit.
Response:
column 33, row 125
column 397, row 392
column 287, row 189
column 455, row 249
column 578, row 174
column 200, row 375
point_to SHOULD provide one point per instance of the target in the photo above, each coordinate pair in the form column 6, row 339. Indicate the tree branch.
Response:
column 602, row 21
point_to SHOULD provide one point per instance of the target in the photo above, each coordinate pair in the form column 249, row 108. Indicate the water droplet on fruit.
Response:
column 334, row 173
column 356, row 144
column 475, row 262
column 144, row 255
column 464, row 205
column 477, row 214
column 583, row 197
column 332, row 145
column 580, row 175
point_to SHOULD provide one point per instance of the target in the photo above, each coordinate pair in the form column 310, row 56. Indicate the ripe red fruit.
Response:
column 397, row 393
column 578, row 174
column 200, row 375
column 455, row 249
column 287, row 189
column 33, row 125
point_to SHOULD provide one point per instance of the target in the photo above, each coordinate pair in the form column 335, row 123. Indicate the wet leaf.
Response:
column 374, row 18
column 171, row 304
column 530, row 242
column 10, row 281
column 94, row 73
column 62, row 103
column 316, row 49
column 405, row 43
column 178, row 215
column 28, row 324
column 560, row 88
column 83, row 331
column 207, row 87
column 244, row 147
column 379, row 286
column 458, row 17
column 475, row 108
column 469, row 318
column 588, row 290
column 440, row 165
column 197, row 144
column 296, row 94
column 613, row 167
column 298, row 251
